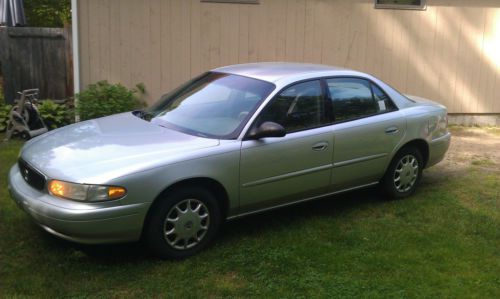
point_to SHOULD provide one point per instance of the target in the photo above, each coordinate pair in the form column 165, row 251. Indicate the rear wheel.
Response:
column 404, row 173
column 184, row 223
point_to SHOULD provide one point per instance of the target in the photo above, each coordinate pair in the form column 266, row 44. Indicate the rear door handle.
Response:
column 320, row 146
column 391, row 130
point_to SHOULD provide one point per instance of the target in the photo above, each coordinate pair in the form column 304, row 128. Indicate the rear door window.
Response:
column 354, row 98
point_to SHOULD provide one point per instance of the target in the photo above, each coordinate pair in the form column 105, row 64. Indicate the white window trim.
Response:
column 422, row 6
column 76, row 53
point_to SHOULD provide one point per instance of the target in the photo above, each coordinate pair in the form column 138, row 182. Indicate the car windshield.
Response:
column 214, row 105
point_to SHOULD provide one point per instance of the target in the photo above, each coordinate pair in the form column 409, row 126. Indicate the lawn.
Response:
column 443, row 242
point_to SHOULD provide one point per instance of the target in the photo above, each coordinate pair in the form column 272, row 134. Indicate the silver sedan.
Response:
column 234, row 141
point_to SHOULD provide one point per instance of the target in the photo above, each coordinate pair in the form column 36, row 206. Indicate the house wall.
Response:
column 450, row 52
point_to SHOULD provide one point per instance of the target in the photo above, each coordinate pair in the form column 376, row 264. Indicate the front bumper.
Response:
column 89, row 223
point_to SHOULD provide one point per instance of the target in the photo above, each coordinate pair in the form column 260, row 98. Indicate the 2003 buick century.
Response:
column 234, row 141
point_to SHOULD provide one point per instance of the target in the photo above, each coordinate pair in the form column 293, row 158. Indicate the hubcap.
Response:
column 186, row 224
column 406, row 173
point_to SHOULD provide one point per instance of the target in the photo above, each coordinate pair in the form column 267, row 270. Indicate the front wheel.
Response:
column 183, row 224
column 404, row 173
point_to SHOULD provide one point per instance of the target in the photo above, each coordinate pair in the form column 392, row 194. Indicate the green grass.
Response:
column 482, row 162
column 443, row 242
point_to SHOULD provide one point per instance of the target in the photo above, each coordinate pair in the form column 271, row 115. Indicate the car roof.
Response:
column 282, row 74
column 276, row 71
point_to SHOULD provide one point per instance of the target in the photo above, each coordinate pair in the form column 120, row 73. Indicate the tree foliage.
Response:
column 47, row 13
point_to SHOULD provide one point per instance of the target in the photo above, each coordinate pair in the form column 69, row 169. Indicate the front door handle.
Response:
column 391, row 130
column 320, row 146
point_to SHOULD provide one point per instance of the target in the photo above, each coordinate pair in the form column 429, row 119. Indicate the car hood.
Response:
column 99, row 150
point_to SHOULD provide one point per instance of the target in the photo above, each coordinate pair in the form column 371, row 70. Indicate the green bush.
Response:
column 4, row 115
column 4, row 110
column 56, row 115
column 102, row 99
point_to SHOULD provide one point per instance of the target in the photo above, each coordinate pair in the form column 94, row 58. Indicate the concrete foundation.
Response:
column 474, row 119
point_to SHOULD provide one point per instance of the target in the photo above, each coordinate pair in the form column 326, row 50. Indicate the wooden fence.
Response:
column 36, row 58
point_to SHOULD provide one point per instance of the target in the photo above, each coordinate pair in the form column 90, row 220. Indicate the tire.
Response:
column 404, row 173
column 198, row 220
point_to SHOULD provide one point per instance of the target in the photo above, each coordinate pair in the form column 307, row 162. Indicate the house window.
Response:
column 400, row 4
column 233, row 1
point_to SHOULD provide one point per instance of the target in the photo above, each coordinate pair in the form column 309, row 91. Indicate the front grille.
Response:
column 34, row 178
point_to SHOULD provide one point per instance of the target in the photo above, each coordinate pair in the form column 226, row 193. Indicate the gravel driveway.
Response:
column 479, row 147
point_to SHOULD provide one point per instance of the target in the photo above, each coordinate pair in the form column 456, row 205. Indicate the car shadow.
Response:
column 283, row 218
column 102, row 253
column 233, row 229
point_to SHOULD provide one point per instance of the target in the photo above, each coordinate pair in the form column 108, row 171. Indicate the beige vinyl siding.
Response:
column 450, row 52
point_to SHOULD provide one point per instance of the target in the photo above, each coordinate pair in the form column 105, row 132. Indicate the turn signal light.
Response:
column 116, row 192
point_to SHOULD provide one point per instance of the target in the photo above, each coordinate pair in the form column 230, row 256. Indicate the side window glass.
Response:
column 351, row 98
column 384, row 103
column 297, row 108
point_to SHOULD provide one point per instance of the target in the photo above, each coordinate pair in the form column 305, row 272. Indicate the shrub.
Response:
column 4, row 115
column 56, row 115
column 4, row 110
column 102, row 99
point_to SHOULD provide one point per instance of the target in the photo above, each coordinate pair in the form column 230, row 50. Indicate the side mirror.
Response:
column 267, row 129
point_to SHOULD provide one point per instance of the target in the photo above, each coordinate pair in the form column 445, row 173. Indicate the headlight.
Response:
column 84, row 192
